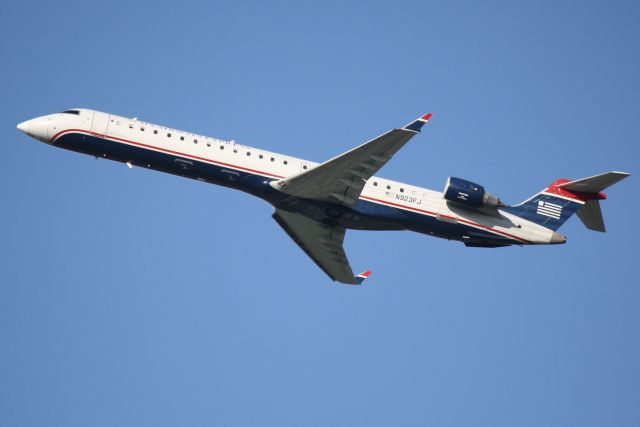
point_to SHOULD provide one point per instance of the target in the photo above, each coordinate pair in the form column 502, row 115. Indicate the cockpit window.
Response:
column 76, row 112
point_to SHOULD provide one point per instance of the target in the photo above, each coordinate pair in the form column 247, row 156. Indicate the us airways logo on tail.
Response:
column 549, row 209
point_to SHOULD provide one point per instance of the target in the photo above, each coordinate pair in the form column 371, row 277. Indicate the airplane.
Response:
column 316, row 203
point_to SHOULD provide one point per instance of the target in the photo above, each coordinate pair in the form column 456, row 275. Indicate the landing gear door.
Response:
column 100, row 123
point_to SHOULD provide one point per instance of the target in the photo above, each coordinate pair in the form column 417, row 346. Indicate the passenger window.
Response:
column 155, row 131
column 375, row 184
column 388, row 187
column 208, row 144
column 304, row 166
column 235, row 150
column 285, row 162
column 273, row 159
column 402, row 190
column 260, row 156
column 141, row 129
column 168, row 135
column 130, row 125
column 222, row 147
column 182, row 138
column 248, row 153
column 195, row 141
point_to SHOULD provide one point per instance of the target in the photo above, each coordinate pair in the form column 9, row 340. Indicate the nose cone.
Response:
column 37, row 128
column 24, row 127
column 557, row 238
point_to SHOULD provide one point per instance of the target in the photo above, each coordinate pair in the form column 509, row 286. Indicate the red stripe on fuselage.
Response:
column 464, row 221
column 127, row 141
column 99, row 135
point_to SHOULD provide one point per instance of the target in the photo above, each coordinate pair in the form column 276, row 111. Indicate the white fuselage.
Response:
column 234, row 161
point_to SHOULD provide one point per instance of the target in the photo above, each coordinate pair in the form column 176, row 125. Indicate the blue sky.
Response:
column 129, row 297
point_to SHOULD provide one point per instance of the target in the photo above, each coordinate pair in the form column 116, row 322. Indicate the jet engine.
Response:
column 470, row 194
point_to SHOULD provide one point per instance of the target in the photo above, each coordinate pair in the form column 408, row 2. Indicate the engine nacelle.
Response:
column 469, row 194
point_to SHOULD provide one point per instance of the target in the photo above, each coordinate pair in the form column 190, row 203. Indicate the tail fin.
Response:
column 558, row 202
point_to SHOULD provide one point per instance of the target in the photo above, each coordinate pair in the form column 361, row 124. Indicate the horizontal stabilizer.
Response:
column 594, row 184
column 591, row 215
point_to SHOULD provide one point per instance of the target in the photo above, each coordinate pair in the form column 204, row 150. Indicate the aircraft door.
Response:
column 100, row 122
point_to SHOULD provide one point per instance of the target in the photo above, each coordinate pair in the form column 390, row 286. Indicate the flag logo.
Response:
column 549, row 209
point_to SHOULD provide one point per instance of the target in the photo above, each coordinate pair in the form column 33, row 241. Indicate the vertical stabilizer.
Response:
column 554, row 205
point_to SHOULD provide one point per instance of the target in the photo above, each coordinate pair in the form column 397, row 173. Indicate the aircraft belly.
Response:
column 365, row 215
column 335, row 214
column 174, row 164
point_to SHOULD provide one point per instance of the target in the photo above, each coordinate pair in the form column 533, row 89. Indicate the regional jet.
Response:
column 316, row 203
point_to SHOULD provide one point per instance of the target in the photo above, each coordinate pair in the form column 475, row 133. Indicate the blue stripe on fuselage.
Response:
column 258, row 186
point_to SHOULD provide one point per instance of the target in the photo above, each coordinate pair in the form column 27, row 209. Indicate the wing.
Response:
column 322, row 243
column 341, row 179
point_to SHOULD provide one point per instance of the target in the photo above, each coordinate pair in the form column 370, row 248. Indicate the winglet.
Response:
column 362, row 276
column 417, row 124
